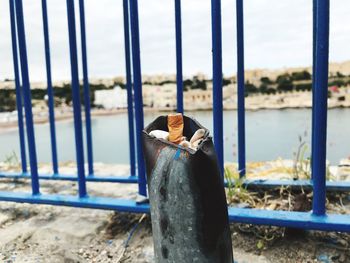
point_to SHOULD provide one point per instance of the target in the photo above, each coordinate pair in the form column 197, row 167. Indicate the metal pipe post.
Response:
column 314, row 17
column 240, row 90
column 86, row 89
column 217, row 81
column 19, row 100
column 320, row 108
column 129, row 87
column 50, row 95
column 76, row 99
column 135, row 36
column 179, row 77
column 27, row 97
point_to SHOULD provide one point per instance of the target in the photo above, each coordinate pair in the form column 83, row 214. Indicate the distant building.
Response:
column 159, row 96
column 111, row 99
column 8, row 117
column 203, row 99
column 198, row 99
column 164, row 96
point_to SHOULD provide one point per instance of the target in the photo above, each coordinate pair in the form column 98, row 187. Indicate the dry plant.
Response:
column 302, row 168
column 302, row 164
column 282, row 198
column 236, row 191
column 12, row 162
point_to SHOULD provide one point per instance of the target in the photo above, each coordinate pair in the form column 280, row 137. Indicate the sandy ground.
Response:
column 42, row 233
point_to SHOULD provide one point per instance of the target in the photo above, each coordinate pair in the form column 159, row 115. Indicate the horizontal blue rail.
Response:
column 121, row 205
column 66, row 177
column 304, row 220
column 334, row 186
column 337, row 186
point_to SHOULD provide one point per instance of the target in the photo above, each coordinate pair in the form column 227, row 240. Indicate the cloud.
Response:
column 277, row 34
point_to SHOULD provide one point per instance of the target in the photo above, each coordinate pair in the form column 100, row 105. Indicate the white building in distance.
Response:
column 159, row 96
column 111, row 99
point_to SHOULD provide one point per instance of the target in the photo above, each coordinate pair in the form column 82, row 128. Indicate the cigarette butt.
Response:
column 185, row 144
column 196, row 143
column 197, row 135
column 175, row 126
column 160, row 134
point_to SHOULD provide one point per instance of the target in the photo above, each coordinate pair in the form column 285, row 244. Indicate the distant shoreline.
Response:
column 68, row 115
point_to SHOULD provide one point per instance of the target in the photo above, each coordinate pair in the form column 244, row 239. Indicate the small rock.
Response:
column 323, row 258
column 342, row 258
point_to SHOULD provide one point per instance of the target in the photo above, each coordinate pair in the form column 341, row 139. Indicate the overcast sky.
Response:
column 277, row 34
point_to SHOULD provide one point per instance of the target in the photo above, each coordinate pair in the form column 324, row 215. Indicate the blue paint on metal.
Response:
column 177, row 154
column 50, row 94
column 19, row 100
column 217, row 82
column 66, row 177
column 129, row 87
column 302, row 220
column 76, row 98
column 87, row 105
column 178, row 37
column 135, row 36
column 240, row 89
column 335, row 186
column 27, row 97
column 332, row 186
column 121, row 205
column 314, row 4
column 320, row 107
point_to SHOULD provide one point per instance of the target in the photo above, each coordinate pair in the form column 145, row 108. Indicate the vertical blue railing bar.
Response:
column 50, row 89
column 314, row 4
column 217, row 81
column 240, row 89
column 136, row 61
column 86, row 89
column 27, row 97
column 129, row 87
column 320, row 107
column 179, row 77
column 19, row 102
column 76, row 98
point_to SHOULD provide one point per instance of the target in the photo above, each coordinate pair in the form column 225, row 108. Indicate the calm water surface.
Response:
column 269, row 134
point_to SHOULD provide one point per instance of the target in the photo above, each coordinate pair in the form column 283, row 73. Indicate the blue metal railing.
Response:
column 27, row 97
column 49, row 89
column 240, row 89
column 178, row 37
column 217, row 82
column 86, row 89
column 78, row 129
column 320, row 108
column 19, row 99
column 316, row 219
column 136, row 61
column 129, row 87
